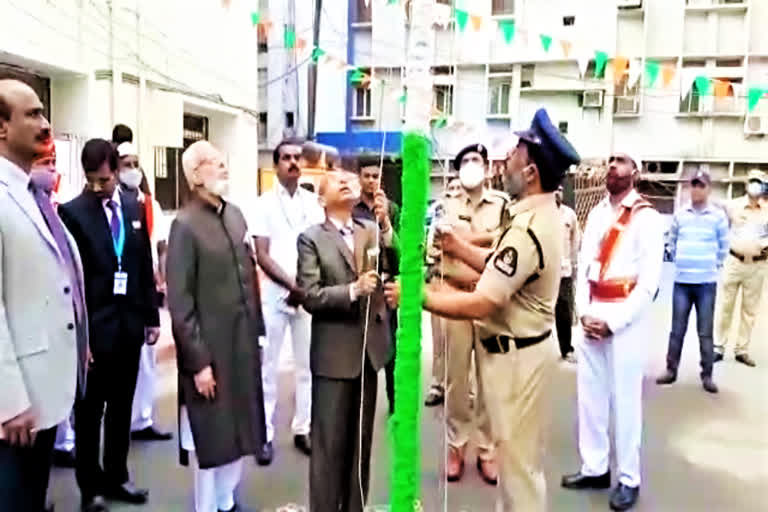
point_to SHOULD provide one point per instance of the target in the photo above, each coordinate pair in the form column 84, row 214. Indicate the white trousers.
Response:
column 610, row 376
column 146, row 390
column 65, row 435
column 214, row 487
column 300, row 324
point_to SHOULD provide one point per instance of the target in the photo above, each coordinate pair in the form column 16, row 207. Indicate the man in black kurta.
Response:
column 216, row 324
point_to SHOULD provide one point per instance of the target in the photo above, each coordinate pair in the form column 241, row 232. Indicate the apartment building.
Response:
column 486, row 86
column 175, row 71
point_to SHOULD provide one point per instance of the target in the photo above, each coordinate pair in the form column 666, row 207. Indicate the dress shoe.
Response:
column 266, row 454
column 489, row 471
column 745, row 359
column 454, row 469
column 234, row 508
column 63, row 459
column 303, row 443
column 624, row 497
column 579, row 481
column 667, row 378
column 128, row 493
column 150, row 434
column 709, row 385
column 718, row 357
column 435, row 396
column 94, row 504
column 570, row 357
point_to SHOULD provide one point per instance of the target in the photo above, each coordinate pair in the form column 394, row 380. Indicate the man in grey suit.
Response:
column 337, row 268
column 43, row 327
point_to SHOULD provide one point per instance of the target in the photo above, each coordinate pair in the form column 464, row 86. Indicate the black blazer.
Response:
column 113, row 317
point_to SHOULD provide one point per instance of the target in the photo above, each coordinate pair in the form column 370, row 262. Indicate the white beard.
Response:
column 219, row 188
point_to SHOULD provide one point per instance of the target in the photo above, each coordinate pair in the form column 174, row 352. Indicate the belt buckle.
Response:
column 498, row 343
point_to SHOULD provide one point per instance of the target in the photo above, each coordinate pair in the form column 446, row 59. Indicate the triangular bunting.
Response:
column 477, row 22
column 703, row 85
column 441, row 122
column 583, row 60
column 634, row 72
column 317, row 52
column 301, row 43
column 357, row 76
column 753, row 97
column 462, row 17
column 668, row 73
column 686, row 81
column 721, row 88
column 255, row 18
column 289, row 37
column 652, row 69
column 567, row 47
column 546, row 42
column 508, row 30
column 619, row 67
column 601, row 59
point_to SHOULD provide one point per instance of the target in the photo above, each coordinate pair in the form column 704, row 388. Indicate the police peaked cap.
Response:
column 472, row 148
column 552, row 150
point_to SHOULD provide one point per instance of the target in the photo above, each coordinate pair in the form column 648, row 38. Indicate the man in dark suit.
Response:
column 337, row 261
column 122, row 302
column 43, row 331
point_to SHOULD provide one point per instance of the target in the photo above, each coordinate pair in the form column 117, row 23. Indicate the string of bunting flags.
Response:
column 657, row 74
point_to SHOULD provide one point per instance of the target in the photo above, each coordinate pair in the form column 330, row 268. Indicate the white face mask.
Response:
column 131, row 178
column 754, row 188
column 471, row 175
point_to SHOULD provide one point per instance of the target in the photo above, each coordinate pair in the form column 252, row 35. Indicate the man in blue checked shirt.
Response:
column 699, row 245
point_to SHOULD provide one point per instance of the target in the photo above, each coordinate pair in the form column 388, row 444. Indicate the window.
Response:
column 364, row 11
column 498, row 96
column 526, row 75
column 562, row 126
column 262, row 135
column 289, row 119
column 728, row 103
column 569, row 21
column 626, row 98
column 503, row 7
column 361, row 107
column 443, row 99
column 691, row 103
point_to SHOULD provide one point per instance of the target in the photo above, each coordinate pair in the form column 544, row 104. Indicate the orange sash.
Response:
column 614, row 235
column 149, row 214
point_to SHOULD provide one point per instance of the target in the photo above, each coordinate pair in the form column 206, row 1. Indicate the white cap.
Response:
column 127, row 149
column 632, row 156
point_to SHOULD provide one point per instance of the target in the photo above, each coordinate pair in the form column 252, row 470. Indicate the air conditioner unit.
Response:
column 756, row 125
column 627, row 104
column 592, row 99
column 629, row 4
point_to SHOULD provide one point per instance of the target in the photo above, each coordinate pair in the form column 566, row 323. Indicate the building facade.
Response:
column 174, row 71
column 486, row 86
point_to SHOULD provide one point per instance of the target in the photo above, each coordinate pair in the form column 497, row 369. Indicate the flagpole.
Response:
column 312, row 75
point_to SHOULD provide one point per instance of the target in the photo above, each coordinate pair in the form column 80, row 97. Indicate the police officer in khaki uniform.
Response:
column 476, row 215
column 513, row 305
column 745, row 268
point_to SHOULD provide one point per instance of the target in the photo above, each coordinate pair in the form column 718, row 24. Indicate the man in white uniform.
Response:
column 618, row 278
column 279, row 217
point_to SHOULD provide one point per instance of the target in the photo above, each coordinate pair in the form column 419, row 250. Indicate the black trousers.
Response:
column 24, row 473
column 564, row 316
column 333, row 467
column 389, row 370
column 111, row 383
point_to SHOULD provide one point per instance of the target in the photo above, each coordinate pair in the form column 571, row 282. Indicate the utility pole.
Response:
column 312, row 77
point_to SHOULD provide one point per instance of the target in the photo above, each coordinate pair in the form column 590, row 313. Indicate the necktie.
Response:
column 114, row 224
column 60, row 237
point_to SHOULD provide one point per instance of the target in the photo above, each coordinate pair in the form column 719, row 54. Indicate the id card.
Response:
column 121, row 283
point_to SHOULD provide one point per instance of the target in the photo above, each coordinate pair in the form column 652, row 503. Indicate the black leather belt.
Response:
column 500, row 344
column 762, row 257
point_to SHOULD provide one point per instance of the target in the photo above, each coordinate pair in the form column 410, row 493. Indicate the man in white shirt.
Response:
column 279, row 217
column 564, row 306
column 618, row 278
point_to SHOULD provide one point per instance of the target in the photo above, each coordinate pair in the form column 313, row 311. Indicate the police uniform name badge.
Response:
column 506, row 261
column 121, row 283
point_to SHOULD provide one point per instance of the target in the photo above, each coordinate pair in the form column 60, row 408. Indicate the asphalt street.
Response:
column 701, row 452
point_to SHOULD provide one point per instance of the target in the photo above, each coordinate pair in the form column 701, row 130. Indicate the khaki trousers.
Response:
column 461, row 418
column 516, row 394
column 438, row 352
column 747, row 278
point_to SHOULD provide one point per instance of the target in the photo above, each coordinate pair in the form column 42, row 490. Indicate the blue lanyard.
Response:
column 119, row 243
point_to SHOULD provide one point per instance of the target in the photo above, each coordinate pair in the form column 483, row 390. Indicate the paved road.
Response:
column 701, row 452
